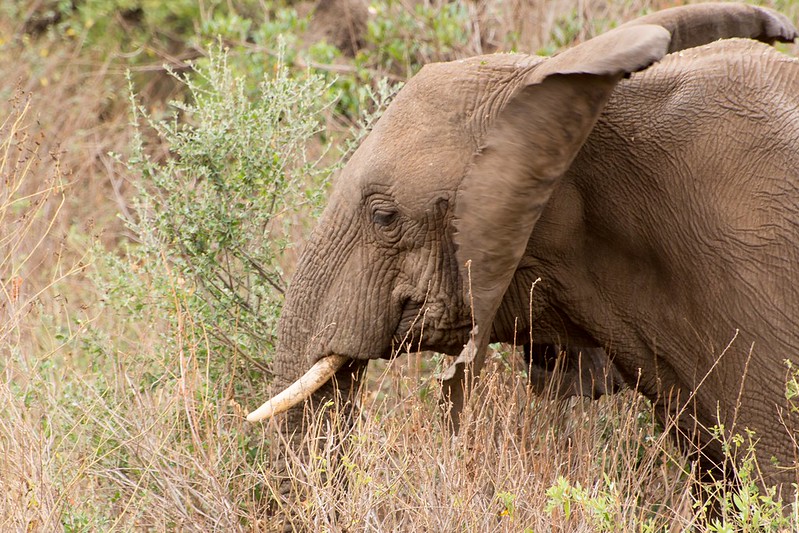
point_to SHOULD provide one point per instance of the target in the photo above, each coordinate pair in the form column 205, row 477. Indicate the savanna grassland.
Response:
column 160, row 165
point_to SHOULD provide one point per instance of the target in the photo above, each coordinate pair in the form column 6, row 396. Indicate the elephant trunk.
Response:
column 292, row 447
column 307, row 394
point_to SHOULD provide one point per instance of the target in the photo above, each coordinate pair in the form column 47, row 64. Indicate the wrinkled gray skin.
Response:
column 660, row 212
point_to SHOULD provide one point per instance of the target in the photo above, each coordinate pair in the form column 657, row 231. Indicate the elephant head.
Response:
column 426, row 241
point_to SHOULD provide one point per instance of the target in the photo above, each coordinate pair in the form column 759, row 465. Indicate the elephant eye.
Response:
column 384, row 217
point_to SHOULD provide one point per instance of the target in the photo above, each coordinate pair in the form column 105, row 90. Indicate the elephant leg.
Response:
column 571, row 371
column 458, row 379
column 455, row 389
column 704, row 455
column 454, row 394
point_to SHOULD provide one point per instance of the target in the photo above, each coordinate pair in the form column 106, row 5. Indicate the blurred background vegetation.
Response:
column 160, row 165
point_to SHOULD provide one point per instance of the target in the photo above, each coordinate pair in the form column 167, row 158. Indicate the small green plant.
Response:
column 746, row 506
column 507, row 500
column 567, row 497
column 226, row 183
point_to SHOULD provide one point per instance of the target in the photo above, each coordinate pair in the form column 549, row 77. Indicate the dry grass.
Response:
column 404, row 471
column 108, row 425
column 31, row 200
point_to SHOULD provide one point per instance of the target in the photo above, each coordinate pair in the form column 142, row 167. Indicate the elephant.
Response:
column 645, row 182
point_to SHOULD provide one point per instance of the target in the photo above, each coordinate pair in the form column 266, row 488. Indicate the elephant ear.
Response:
column 700, row 24
column 528, row 148
column 539, row 132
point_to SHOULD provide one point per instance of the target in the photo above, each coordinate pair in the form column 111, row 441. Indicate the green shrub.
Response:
column 402, row 40
column 214, row 215
column 144, row 29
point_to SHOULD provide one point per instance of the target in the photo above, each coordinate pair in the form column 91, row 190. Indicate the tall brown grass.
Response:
column 404, row 470
column 31, row 201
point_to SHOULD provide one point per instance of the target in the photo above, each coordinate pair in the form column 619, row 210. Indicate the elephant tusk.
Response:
column 301, row 389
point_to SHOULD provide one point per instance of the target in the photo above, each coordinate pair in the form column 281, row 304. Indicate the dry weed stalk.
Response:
column 30, row 204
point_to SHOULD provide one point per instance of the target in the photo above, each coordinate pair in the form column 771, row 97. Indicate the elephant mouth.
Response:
column 319, row 374
column 416, row 331
column 421, row 327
